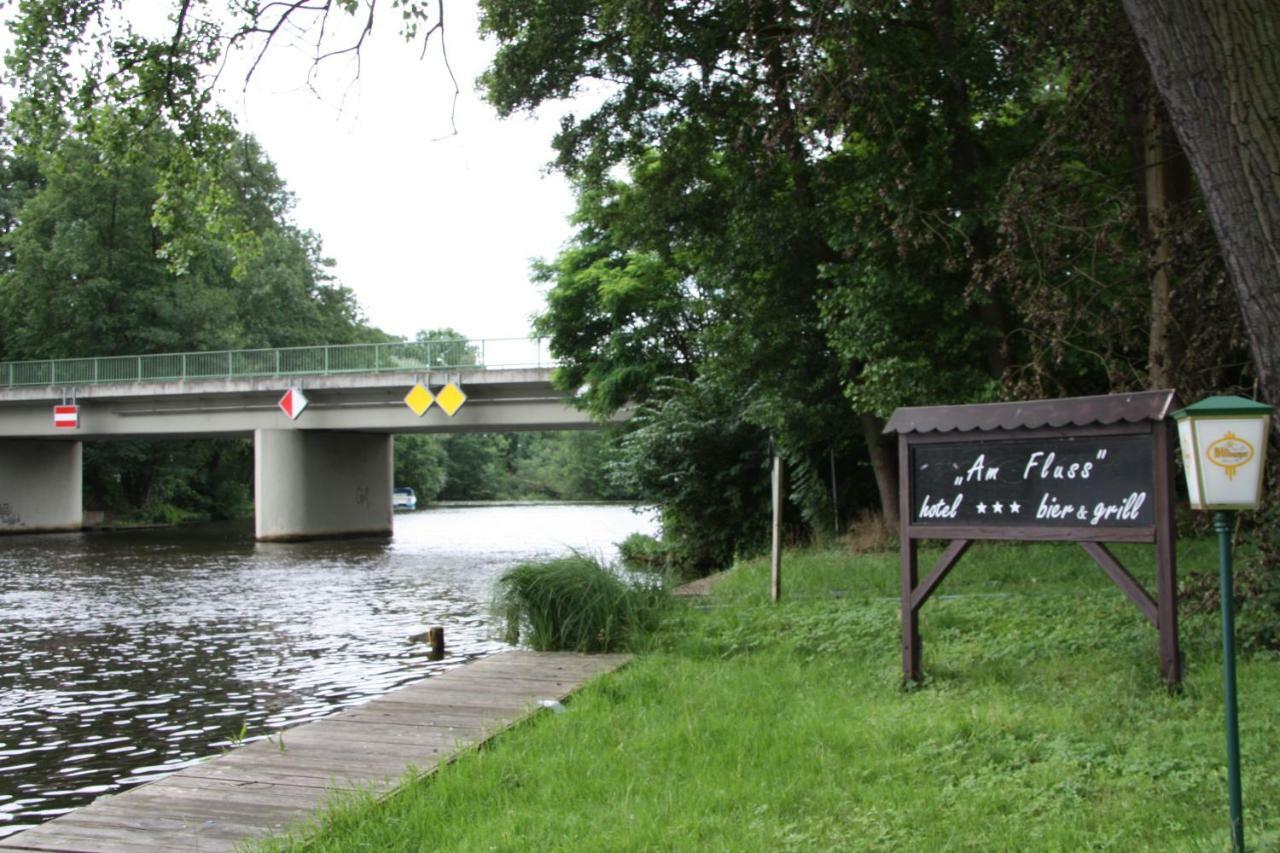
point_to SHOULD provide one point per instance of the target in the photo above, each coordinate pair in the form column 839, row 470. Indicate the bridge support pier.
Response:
column 40, row 486
column 321, row 485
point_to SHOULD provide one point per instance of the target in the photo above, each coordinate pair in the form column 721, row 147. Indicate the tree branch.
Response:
column 444, row 53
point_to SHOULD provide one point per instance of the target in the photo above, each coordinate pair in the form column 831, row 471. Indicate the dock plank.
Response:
column 263, row 788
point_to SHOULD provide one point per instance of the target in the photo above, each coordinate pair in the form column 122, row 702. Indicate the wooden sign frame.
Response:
column 1003, row 427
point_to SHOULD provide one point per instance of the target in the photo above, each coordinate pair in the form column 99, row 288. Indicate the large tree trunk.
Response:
column 884, row 464
column 1217, row 66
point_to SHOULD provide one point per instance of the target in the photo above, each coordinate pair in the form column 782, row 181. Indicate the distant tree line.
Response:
column 508, row 466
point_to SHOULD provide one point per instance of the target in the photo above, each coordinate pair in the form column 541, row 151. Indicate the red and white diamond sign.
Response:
column 66, row 417
column 293, row 402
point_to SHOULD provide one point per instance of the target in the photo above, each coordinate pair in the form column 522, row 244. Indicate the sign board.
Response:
column 293, row 402
column 1090, row 470
column 1101, row 482
column 66, row 417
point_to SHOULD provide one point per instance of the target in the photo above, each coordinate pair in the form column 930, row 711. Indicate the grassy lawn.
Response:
column 1043, row 725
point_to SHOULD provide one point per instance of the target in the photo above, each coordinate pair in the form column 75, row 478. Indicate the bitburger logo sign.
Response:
column 1230, row 452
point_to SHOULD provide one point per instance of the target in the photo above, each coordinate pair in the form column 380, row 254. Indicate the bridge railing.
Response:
column 489, row 353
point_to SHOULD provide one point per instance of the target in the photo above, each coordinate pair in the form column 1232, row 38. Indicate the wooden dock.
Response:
column 265, row 787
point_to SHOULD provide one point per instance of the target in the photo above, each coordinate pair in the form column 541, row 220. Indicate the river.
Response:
column 125, row 656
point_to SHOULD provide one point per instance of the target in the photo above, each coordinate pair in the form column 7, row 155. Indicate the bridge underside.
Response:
column 326, row 474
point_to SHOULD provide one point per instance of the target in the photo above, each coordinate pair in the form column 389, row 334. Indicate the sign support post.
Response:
column 911, row 668
column 1166, row 559
column 1222, row 523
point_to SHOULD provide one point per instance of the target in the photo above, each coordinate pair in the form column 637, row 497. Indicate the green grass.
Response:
column 577, row 604
column 1043, row 725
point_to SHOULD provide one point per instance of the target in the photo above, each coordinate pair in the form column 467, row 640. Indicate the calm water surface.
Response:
column 124, row 656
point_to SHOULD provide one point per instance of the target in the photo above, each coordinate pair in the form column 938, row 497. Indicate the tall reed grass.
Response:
column 577, row 604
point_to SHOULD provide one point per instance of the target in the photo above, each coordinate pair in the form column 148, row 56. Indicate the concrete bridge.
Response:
column 326, row 472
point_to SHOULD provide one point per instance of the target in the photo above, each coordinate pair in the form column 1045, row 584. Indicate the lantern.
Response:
column 1224, row 447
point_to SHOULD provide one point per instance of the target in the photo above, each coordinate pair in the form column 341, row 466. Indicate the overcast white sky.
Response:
column 428, row 228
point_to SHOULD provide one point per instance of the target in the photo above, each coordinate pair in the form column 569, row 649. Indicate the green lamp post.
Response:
column 1224, row 450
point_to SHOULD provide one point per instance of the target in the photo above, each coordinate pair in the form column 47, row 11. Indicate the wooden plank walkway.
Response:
column 261, row 789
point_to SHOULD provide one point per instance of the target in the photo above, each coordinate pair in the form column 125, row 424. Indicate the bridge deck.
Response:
column 498, row 400
column 261, row 789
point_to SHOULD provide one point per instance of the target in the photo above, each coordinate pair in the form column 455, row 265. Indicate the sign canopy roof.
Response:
column 1034, row 414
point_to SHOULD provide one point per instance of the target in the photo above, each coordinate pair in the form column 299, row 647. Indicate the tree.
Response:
column 622, row 310
column 71, row 56
column 1104, row 249
column 1217, row 66
column 572, row 465
column 692, row 453
column 706, row 261
column 421, row 462
column 913, row 202
column 812, row 183
column 443, row 348
column 84, row 275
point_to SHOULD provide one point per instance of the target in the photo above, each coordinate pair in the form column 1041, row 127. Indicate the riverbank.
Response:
column 1043, row 725
column 99, row 521
column 259, row 788
column 131, row 654
column 526, row 502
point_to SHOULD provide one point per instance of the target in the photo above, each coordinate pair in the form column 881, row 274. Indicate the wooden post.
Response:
column 911, row 647
column 835, row 494
column 775, row 586
column 911, row 651
column 1166, row 558
column 435, row 636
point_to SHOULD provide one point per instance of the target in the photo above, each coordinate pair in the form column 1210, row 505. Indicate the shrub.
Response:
column 642, row 552
column 576, row 604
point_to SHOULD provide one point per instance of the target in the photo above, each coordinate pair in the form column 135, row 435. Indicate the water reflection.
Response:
column 129, row 655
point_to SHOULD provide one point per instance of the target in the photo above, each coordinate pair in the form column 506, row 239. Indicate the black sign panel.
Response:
column 1088, row 481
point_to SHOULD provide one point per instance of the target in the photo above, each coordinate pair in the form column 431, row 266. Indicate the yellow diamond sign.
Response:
column 451, row 399
column 419, row 399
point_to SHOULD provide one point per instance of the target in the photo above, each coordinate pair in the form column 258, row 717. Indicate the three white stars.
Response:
column 998, row 508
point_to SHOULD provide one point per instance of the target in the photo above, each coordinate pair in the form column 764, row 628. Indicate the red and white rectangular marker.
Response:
column 293, row 402
column 66, row 417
